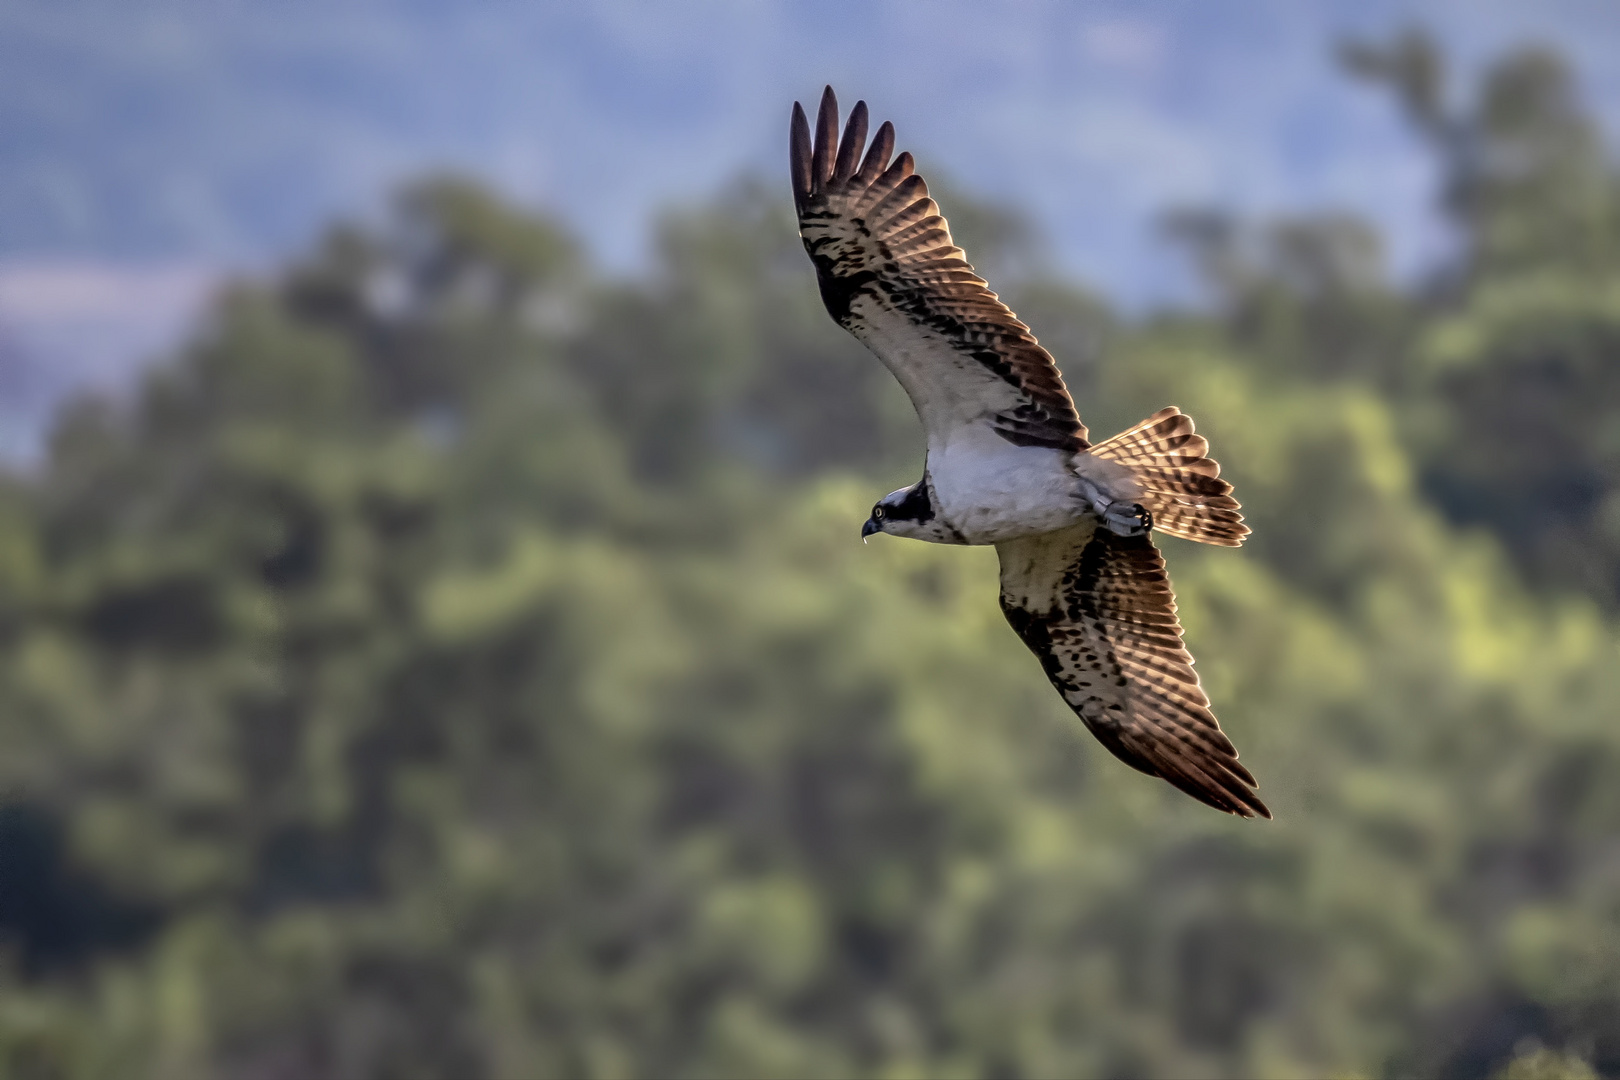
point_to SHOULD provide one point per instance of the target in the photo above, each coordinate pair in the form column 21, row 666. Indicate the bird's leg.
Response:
column 1120, row 517
column 1127, row 519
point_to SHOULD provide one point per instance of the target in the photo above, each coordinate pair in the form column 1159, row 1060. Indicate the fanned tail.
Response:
column 1181, row 485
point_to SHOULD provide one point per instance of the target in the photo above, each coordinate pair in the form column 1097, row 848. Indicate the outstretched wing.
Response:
column 1097, row 610
column 891, row 276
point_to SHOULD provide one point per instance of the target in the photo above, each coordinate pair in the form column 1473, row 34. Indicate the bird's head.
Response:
column 908, row 512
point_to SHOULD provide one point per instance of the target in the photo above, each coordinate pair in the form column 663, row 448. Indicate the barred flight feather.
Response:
column 891, row 274
column 1098, row 612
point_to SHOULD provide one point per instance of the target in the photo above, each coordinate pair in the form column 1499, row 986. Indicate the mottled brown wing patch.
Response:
column 879, row 244
column 1180, row 482
column 1098, row 612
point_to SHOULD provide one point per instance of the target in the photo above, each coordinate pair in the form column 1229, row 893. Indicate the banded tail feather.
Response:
column 1181, row 484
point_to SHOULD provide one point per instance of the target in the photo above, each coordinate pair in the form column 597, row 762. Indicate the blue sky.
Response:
column 221, row 131
column 142, row 138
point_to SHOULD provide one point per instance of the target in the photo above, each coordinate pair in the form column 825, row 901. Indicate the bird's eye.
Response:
column 877, row 513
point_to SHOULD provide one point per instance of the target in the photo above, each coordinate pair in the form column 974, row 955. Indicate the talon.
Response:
column 1132, row 520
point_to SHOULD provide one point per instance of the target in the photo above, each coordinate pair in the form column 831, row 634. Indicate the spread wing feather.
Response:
column 1179, row 482
column 891, row 275
column 1097, row 610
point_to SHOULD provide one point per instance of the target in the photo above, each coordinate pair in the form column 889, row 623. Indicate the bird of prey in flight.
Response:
column 1009, row 463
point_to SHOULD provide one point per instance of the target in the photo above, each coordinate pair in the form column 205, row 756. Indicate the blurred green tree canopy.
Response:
column 459, row 664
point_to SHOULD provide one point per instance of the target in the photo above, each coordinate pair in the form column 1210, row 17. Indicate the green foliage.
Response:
column 457, row 665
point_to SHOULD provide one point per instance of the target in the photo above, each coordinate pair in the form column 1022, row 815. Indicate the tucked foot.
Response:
column 1127, row 519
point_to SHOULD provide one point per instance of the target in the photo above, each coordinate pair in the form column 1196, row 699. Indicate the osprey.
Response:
column 1009, row 463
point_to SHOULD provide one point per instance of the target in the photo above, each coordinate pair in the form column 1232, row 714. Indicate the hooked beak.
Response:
column 870, row 527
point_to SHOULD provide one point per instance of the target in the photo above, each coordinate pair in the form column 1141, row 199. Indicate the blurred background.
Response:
column 434, row 635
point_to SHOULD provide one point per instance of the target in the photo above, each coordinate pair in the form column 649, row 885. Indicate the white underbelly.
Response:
column 989, row 490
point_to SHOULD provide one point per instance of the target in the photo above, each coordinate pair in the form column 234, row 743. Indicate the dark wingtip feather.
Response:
column 902, row 168
column 799, row 154
column 1244, row 791
column 853, row 142
column 821, row 161
column 1220, row 786
column 1254, row 808
column 877, row 158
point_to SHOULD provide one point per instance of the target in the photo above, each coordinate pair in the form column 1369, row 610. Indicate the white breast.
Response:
column 989, row 490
